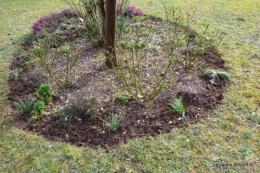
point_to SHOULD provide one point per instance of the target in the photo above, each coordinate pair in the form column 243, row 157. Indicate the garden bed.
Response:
column 200, row 95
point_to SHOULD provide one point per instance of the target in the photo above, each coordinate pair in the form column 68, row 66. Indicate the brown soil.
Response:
column 135, row 120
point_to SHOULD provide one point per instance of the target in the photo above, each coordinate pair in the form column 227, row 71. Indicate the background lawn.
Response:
column 230, row 134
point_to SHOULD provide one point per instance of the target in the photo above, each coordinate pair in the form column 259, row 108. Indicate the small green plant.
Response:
column 26, row 106
column 246, row 135
column 214, row 74
column 62, row 113
column 113, row 123
column 14, row 74
column 124, row 97
column 38, row 110
column 123, row 26
column 24, row 54
column 45, row 93
column 176, row 105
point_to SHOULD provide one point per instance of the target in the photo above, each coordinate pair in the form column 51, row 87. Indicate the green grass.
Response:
column 229, row 135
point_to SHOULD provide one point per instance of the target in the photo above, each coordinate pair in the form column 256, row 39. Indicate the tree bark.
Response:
column 110, row 32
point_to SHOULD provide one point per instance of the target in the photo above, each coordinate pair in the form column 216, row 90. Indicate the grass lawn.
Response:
column 230, row 135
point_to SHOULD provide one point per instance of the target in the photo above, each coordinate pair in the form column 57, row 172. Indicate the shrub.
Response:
column 183, row 43
column 84, row 105
column 48, row 58
column 25, row 106
column 34, row 78
column 45, row 93
column 87, row 10
column 131, row 58
column 193, row 90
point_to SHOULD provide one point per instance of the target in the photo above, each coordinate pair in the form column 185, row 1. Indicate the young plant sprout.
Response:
column 26, row 106
column 124, row 97
column 214, row 74
column 177, row 106
column 113, row 123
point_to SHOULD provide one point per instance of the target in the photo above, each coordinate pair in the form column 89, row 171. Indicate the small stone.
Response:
column 179, row 118
column 170, row 122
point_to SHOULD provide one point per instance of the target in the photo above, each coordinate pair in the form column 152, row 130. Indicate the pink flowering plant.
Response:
column 130, row 10
column 192, row 90
column 48, row 20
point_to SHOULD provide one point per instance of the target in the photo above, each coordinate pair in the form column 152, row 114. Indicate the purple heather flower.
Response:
column 69, row 10
column 45, row 21
column 131, row 10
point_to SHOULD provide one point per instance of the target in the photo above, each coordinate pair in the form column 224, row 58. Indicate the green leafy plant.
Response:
column 215, row 74
column 62, row 113
column 26, row 106
column 14, row 74
column 124, row 97
column 45, row 93
column 123, row 26
column 83, row 105
column 113, row 123
column 176, row 105
column 38, row 110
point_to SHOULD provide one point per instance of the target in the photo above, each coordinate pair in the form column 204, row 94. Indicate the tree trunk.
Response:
column 110, row 32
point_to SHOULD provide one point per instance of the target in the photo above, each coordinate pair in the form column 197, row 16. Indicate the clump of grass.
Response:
column 176, row 105
column 215, row 74
column 113, row 123
column 25, row 106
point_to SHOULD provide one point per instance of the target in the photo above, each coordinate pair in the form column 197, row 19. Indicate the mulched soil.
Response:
column 135, row 120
